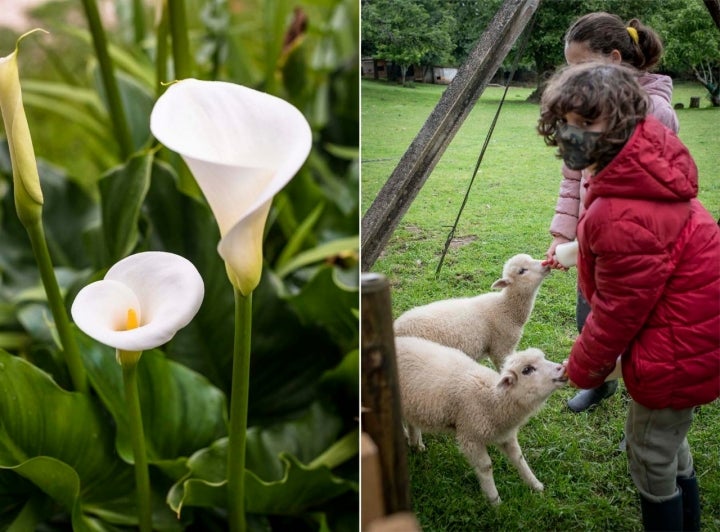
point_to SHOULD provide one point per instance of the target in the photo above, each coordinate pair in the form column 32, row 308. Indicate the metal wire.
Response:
column 518, row 56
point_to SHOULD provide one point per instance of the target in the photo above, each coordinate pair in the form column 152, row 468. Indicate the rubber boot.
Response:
column 691, row 502
column 585, row 399
column 666, row 516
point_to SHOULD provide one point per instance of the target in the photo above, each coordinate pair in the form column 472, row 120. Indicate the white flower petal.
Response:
column 241, row 249
column 101, row 309
column 242, row 146
column 164, row 289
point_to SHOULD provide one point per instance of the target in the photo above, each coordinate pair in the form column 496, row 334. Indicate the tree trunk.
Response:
column 713, row 6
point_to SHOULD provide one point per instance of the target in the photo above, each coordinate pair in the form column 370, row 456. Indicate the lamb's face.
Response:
column 525, row 271
column 530, row 377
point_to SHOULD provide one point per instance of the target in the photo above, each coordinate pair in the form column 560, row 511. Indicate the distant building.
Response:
column 443, row 75
column 381, row 69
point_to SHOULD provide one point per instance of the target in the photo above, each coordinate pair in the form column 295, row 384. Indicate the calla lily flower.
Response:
column 141, row 303
column 26, row 181
column 242, row 146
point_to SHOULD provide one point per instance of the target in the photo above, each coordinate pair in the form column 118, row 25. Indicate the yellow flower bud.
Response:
column 26, row 181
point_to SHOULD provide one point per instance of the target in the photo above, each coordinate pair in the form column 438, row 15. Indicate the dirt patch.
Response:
column 460, row 241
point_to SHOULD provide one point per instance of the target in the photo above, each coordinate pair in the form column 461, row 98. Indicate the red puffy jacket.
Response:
column 649, row 264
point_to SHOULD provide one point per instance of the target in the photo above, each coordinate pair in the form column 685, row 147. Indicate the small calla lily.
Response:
column 242, row 146
column 26, row 181
column 141, row 303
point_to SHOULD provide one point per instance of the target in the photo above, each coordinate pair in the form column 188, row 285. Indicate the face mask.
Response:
column 576, row 145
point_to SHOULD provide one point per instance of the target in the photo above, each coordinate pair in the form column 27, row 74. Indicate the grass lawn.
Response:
column 587, row 486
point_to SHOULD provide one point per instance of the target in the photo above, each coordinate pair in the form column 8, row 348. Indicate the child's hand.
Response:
column 550, row 259
column 569, row 382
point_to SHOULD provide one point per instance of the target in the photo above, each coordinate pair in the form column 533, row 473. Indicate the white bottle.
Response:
column 566, row 253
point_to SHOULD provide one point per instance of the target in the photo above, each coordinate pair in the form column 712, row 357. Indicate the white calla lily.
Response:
column 141, row 303
column 242, row 146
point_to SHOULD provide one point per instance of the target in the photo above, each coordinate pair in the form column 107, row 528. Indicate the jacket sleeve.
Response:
column 626, row 278
column 661, row 109
column 567, row 208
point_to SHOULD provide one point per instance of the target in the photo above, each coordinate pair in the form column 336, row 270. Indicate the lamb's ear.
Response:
column 508, row 378
column 501, row 283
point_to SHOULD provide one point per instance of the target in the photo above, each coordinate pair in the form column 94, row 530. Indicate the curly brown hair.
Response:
column 603, row 33
column 595, row 90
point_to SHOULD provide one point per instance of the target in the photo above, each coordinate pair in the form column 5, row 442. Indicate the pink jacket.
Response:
column 570, row 202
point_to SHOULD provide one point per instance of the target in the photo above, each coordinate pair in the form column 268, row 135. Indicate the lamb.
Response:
column 444, row 390
column 489, row 324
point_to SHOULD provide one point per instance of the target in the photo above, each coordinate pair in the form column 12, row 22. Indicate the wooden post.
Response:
column 694, row 102
column 394, row 199
column 381, row 417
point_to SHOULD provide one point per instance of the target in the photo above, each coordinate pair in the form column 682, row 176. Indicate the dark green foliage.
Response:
column 64, row 455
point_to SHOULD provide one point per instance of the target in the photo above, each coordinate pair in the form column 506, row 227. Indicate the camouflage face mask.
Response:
column 576, row 145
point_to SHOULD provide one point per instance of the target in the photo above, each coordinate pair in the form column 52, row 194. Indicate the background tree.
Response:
column 471, row 19
column 692, row 43
column 432, row 32
column 442, row 27
column 547, row 42
column 406, row 32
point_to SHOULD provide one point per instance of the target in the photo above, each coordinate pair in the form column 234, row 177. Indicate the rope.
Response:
column 518, row 55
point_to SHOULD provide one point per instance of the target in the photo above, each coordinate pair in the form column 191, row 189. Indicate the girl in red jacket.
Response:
column 648, row 266
column 606, row 38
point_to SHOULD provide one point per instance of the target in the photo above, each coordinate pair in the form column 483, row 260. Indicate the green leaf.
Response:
column 328, row 250
column 298, row 238
column 323, row 301
column 122, row 192
column 60, row 441
column 286, row 368
column 277, row 479
column 181, row 410
column 139, row 70
column 137, row 103
column 68, row 213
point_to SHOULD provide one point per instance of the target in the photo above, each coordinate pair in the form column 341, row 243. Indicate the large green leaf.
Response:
column 62, row 442
column 326, row 302
column 122, row 192
column 288, row 468
column 68, row 214
column 289, row 356
column 182, row 412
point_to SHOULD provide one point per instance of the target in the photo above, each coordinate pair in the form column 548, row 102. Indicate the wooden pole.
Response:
column 394, row 199
column 381, row 417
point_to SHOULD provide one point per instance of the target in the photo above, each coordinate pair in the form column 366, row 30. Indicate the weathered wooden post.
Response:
column 457, row 101
column 381, row 417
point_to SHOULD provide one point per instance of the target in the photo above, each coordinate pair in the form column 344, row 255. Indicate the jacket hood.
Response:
column 652, row 165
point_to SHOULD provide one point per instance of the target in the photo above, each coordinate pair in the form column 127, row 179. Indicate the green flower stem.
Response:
column 138, row 21
column 180, row 39
column 71, row 352
column 161, row 52
column 142, row 477
column 117, row 113
column 239, row 412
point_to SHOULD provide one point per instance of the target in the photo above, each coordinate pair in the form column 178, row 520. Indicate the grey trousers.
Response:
column 657, row 449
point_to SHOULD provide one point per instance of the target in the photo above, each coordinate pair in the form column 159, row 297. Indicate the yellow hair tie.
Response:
column 634, row 35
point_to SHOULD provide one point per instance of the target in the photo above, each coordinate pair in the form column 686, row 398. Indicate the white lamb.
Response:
column 444, row 390
column 490, row 324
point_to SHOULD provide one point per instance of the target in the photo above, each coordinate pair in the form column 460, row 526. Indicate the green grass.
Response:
column 587, row 486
